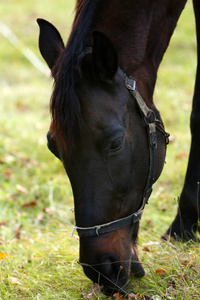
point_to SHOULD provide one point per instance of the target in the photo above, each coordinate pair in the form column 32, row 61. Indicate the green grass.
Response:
column 38, row 259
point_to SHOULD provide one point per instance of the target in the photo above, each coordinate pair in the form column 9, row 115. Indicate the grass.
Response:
column 38, row 259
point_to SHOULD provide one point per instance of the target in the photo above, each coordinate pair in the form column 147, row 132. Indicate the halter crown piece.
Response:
column 130, row 83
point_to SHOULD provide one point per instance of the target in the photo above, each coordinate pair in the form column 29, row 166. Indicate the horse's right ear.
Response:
column 105, row 57
column 50, row 42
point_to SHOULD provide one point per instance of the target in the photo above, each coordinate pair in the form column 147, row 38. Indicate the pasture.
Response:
column 38, row 259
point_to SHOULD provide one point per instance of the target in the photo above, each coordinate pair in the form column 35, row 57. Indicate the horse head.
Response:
column 103, row 138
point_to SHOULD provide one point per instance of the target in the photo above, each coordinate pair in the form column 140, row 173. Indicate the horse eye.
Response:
column 117, row 144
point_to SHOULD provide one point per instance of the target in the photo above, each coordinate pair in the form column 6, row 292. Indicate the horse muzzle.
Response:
column 108, row 272
column 108, row 260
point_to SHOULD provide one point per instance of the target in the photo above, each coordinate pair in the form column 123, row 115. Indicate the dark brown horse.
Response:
column 107, row 131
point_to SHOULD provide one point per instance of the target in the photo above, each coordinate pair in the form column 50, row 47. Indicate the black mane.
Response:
column 65, row 105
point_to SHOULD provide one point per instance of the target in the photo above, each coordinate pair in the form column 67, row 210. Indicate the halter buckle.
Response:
column 130, row 83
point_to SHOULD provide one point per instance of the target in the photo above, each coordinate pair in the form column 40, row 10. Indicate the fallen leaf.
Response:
column 8, row 173
column 48, row 210
column 3, row 223
column 152, row 243
column 133, row 296
column 118, row 296
column 146, row 249
column 185, row 263
column 39, row 219
column 22, row 107
column 149, row 223
column 181, row 155
column 14, row 280
column 17, row 231
column 183, row 276
column 89, row 296
column 92, row 294
column 3, row 255
column 21, row 189
column 17, row 235
column 160, row 272
column 30, row 204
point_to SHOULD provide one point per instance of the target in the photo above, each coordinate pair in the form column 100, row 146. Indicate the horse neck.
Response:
column 141, row 31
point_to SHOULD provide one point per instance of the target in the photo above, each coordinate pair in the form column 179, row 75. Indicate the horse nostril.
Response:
column 113, row 275
column 106, row 265
column 110, row 264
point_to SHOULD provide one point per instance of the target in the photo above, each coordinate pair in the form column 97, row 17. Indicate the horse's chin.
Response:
column 136, row 267
column 116, row 283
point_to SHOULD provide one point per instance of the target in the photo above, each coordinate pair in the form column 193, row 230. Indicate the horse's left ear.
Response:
column 50, row 42
column 105, row 57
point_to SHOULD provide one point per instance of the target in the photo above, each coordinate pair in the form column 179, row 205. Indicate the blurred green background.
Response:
column 25, row 93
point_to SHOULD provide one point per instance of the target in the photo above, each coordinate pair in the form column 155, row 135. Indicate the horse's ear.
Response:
column 50, row 42
column 105, row 57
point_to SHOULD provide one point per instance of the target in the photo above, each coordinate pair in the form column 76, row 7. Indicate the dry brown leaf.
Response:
column 17, row 235
column 118, row 296
column 92, row 294
column 30, row 204
column 17, row 231
column 160, row 272
column 185, row 263
column 181, row 155
column 183, row 276
column 8, row 173
column 149, row 223
column 3, row 223
column 146, row 249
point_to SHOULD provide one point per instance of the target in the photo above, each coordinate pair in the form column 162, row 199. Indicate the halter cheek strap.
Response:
column 130, row 83
column 147, row 113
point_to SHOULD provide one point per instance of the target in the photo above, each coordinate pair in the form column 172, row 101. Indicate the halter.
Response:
column 152, row 124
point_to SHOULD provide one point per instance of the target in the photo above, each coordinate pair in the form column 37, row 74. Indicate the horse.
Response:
column 107, row 131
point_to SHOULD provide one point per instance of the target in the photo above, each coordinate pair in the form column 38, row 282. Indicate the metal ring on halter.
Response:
column 146, row 118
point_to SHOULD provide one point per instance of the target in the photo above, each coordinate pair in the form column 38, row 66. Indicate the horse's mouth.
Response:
column 111, row 274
